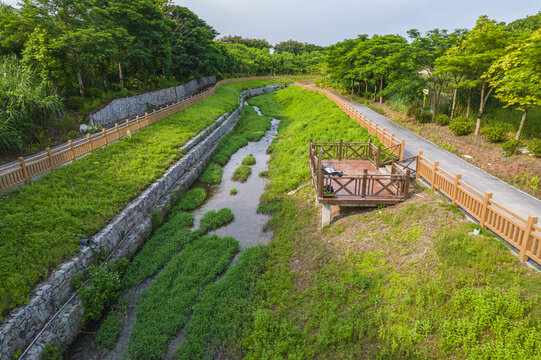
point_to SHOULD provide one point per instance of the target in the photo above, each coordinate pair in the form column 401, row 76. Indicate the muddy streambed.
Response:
column 247, row 228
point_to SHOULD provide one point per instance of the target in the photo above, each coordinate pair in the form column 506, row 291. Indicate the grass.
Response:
column 250, row 127
column 242, row 173
column 41, row 222
column 249, row 160
column 109, row 330
column 404, row 282
column 165, row 307
column 223, row 315
column 233, row 191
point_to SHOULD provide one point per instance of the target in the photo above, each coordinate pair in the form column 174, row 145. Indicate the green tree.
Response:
column 254, row 43
column 516, row 76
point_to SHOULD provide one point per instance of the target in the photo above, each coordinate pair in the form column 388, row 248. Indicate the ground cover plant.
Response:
column 408, row 281
column 249, row 160
column 223, row 315
column 250, row 127
column 42, row 221
column 165, row 307
column 242, row 173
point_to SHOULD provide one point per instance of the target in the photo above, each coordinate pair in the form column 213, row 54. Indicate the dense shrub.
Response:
column 215, row 219
column 249, row 160
column 100, row 292
column 94, row 92
column 495, row 133
column 442, row 120
column 511, row 146
column 242, row 173
column 74, row 103
column 423, row 117
column 535, row 147
column 461, row 126
column 52, row 352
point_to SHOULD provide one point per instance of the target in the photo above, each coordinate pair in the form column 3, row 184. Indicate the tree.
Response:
column 483, row 45
column 254, row 43
column 295, row 47
column 517, row 76
column 526, row 25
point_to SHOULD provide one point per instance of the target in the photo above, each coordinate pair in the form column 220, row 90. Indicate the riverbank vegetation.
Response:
column 44, row 220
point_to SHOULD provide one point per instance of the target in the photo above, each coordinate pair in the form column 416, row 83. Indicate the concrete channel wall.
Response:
column 131, row 106
column 124, row 235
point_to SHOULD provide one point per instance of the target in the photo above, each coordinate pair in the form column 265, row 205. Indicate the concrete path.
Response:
column 504, row 194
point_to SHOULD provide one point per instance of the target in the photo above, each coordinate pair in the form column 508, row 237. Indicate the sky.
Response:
column 325, row 22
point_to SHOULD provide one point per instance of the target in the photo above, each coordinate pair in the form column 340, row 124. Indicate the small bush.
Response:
column 249, row 160
column 413, row 109
column 510, row 147
column 423, row 117
column 74, row 103
column 233, row 192
column 495, row 133
column 242, row 173
column 115, row 87
column 102, row 290
column 52, row 352
column 264, row 174
column 191, row 200
column 442, row 120
column 461, row 126
column 535, row 147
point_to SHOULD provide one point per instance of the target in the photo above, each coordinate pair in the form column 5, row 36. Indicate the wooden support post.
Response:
column 402, row 149
column 340, row 151
column 369, row 149
column 458, row 177
column 364, row 184
column 377, row 125
column 486, row 202
column 526, row 242
column 319, row 176
column 419, row 158
column 89, row 141
column 383, row 137
column 434, row 174
column 51, row 160
column 378, row 156
column 407, row 183
column 104, row 134
column 70, row 143
column 24, row 169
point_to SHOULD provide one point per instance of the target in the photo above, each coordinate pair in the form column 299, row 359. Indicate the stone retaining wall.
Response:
column 126, row 232
column 131, row 106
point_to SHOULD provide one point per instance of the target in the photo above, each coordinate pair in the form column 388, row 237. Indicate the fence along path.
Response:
column 522, row 234
column 27, row 168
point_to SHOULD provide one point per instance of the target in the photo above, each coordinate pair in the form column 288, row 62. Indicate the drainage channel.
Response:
column 247, row 228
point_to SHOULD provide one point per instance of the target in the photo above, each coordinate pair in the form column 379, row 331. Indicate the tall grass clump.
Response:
column 41, row 223
column 27, row 104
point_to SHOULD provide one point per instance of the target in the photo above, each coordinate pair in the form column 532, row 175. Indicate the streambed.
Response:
column 247, row 228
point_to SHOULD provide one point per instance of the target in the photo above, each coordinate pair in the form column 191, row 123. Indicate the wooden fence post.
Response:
column 117, row 133
column 458, row 177
column 526, row 243
column 340, row 151
column 378, row 155
column 104, row 134
column 50, row 156
column 434, row 174
column 402, row 149
column 407, row 183
column 419, row 157
column 70, row 143
column 89, row 141
column 369, row 149
column 364, row 184
column 383, row 137
column 24, row 169
column 486, row 202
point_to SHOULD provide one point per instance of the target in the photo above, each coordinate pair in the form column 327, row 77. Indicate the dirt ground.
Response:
column 521, row 171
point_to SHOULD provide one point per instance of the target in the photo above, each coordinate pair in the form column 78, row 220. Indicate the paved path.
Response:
column 504, row 194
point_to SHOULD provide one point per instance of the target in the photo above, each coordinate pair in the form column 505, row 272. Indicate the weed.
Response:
column 215, row 219
column 249, row 160
column 233, row 191
column 449, row 147
column 52, row 352
column 242, row 173
column 109, row 331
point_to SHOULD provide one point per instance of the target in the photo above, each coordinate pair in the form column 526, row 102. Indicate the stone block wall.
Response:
column 130, row 106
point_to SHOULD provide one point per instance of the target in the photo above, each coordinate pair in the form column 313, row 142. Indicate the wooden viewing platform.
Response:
column 365, row 180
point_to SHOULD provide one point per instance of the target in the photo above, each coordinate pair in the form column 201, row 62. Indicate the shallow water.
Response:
column 247, row 228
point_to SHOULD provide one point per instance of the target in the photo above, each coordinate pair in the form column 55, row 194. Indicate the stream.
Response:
column 247, row 228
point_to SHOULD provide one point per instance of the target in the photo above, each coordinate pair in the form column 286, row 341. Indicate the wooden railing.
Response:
column 368, row 187
column 395, row 146
column 523, row 234
column 27, row 168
